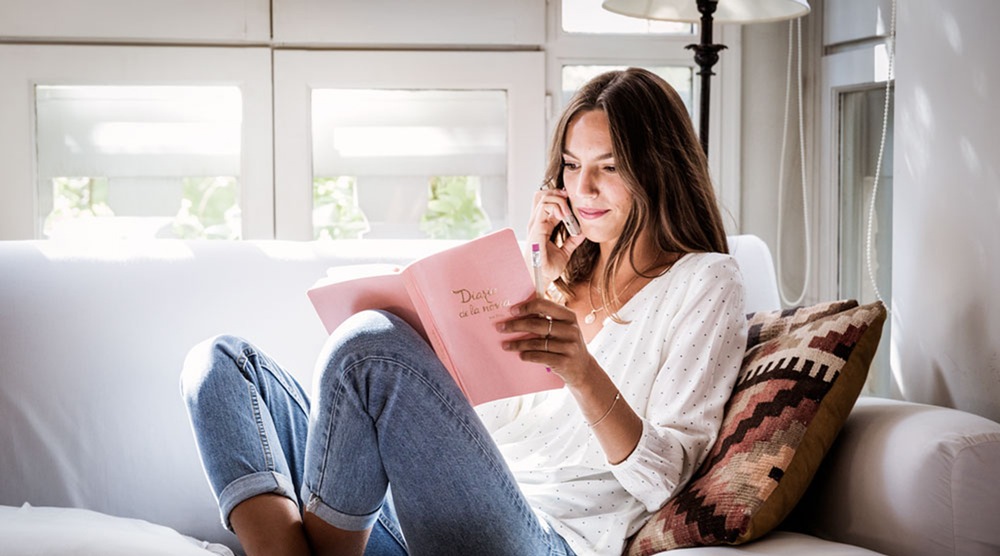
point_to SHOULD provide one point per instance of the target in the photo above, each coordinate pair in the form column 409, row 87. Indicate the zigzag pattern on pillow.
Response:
column 793, row 359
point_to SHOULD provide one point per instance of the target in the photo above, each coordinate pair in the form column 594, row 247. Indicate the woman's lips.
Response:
column 591, row 214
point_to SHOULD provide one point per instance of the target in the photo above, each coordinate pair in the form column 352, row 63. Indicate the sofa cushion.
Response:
column 802, row 372
column 908, row 478
column 48, row 531
column 778, row 543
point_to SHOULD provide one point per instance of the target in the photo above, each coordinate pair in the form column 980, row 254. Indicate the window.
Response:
column 406, row 145
column 409, row 163
column 138, row 161
column 852, row 88
column 861, row 114
column 135, row 141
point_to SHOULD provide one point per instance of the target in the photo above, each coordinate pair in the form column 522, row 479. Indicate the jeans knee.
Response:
column 364, row 334
column 207, row 363
column 371, row 327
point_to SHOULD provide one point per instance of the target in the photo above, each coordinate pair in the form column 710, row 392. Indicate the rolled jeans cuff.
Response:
column 248, row 486
column 338, row 519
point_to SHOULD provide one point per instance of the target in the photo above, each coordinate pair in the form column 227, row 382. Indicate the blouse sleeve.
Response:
column 704, row 345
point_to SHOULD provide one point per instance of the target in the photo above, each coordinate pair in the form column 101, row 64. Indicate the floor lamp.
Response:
column 706, row 54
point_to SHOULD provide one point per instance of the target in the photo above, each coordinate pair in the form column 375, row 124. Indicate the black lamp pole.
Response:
column 706, row 55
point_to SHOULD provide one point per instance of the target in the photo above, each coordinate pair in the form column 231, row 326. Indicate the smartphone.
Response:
column 571, row 223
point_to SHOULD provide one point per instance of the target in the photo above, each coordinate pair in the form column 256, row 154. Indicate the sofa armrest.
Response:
column 907, row 478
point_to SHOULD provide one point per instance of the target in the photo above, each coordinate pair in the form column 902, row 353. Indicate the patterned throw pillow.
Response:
column 801, row 375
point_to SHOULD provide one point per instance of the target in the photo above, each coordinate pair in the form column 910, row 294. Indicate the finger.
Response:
column 549, row 346
column 542, row 193
column 544, row 217
column 557, row 207
column 571, row 243
column 550, row 213
column 553, row 201
column 533, row 324
column 544, row 307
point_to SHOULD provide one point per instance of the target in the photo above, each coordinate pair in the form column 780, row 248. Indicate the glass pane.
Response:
column 680, row 77
column 861, row 115
column 336, row 214
column 455, row 209
column 139, row 161
column 587, row 16
column 409, row 163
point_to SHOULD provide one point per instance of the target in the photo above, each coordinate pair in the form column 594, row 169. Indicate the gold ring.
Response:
column 549, row 333
column 546, row 348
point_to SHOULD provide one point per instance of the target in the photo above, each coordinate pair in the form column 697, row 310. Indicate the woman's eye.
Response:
column 610, row 169
column 570, row 165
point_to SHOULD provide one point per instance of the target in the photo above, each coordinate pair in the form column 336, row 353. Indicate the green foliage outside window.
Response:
column 336, row 214
column 210, row 209
column 77, row 198
column 454, row 210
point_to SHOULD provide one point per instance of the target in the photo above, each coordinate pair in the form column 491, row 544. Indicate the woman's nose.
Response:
column 587, row 186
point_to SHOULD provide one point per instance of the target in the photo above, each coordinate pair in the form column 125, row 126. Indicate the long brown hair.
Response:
column 659, row 158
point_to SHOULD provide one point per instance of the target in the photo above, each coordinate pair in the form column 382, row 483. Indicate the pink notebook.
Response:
column 453, row 298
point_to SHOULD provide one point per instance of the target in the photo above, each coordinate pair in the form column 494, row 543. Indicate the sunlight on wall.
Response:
column 946, row 253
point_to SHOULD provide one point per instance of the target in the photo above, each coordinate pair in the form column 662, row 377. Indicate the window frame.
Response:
column 854, row 69
column 449, row 24
column 849, row 70
column 298, row 72
column 241, row 21
column 26, row 66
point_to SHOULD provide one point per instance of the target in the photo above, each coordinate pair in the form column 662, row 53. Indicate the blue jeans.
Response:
column 387, row 413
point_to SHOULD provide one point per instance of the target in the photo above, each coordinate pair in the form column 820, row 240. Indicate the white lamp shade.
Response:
column 728, row 11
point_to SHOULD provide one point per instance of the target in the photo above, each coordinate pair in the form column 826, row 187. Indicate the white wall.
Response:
column 765, row 52
column 946, row 252
column 765, row 72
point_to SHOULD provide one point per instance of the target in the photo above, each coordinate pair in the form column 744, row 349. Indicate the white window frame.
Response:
column 370, row 23
column 850, row 70
column 243, row 21
column 298, row 72
column 29, row 65
column 724, row 147
column 858, row 68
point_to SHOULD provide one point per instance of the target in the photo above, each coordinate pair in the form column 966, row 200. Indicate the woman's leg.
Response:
column 388, row 412
column 269, row 524
column 250, row 419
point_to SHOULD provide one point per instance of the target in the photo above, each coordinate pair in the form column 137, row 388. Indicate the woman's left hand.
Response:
column 555, row 339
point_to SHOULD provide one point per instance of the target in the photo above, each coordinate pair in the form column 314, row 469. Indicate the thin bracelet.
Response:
column 618, row 396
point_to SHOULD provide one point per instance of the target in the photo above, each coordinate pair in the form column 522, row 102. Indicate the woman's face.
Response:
column 596, row 190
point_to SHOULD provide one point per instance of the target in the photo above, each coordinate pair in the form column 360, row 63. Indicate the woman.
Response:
column 643, row 321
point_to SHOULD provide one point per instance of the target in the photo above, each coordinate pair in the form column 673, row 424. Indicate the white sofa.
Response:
column 91, row 344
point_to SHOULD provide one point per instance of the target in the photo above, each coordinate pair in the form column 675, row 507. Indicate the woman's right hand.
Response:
column 550, row 207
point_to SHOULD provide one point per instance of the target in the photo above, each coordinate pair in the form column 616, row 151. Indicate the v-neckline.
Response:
column 604, row 322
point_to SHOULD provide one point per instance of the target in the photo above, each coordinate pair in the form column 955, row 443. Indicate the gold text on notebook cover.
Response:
column 476, row 302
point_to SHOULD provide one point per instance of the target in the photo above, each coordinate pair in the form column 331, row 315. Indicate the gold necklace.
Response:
column 592, row 315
